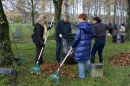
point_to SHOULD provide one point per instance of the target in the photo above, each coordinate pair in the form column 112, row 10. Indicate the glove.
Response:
column 43, row 45
column 71, row 47
column 49, row 28
column 60, row 35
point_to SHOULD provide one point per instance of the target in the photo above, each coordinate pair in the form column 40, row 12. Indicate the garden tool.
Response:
column 17, row 58
column 36, row 69
column 55, row 76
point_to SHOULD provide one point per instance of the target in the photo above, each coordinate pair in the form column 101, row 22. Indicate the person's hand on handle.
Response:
column 71, row 48
column 43, row 45
column 49, row 28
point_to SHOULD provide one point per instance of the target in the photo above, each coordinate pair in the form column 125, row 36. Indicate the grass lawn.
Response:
column 112, row 76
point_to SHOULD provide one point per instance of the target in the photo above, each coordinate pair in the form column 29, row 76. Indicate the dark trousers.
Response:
column 122, row 38
column 38, row 50
column 58, row 49
column 98, row 46
column 114, row 39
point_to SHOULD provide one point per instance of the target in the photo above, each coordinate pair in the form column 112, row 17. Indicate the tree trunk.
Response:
column 32, row 13
column 6, row 54
column 57, row 6
column 115, row 5
column 128, row 23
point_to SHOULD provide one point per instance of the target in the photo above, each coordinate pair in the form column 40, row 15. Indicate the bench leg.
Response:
column 14, row 74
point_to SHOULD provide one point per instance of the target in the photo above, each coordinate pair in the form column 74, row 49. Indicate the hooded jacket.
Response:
column 82, row 41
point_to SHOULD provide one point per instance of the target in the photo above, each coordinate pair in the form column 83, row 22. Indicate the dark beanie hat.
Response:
column 122, row 24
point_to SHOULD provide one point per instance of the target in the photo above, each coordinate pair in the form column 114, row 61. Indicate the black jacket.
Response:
column 38, row 34
column 62, row 28
column 100, row 30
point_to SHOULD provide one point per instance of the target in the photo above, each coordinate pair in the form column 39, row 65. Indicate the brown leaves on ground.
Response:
column 121, row 59
column 52, row 67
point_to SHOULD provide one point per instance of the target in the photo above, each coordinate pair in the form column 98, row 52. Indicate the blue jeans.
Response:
column 58, row 48
column 98, row 46
column 81, row 68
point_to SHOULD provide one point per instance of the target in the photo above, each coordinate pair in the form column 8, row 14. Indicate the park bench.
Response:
column 29, row 27
column 17, row 33
column 9, row 72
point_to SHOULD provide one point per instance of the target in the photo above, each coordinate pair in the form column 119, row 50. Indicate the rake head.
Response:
column 54, row 77
column 18, row 58
column 35, row 69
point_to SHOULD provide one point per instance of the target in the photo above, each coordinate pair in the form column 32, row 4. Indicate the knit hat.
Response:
column 122, row 24
column 115, row 25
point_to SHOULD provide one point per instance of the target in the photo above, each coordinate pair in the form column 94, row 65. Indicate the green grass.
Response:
column 113, row 75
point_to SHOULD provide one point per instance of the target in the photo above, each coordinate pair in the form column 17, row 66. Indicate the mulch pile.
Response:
column 121, row 59
column 52, row 67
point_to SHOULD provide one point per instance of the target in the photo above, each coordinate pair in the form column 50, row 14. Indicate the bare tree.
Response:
column 27, row 6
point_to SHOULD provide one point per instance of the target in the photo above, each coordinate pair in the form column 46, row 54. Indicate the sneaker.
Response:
column 77, row 76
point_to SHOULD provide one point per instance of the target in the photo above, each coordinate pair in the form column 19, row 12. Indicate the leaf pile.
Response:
column 121, row 59
column 52, row 67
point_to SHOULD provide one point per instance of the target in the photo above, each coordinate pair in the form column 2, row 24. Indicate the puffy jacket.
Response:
column 38, row 34
column 82, row 41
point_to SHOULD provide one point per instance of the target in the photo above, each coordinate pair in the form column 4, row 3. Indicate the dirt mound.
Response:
column 52, row 67
column 121, row 59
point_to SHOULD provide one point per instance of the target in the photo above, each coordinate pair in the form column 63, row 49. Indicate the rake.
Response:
column 55, row 76
column 36, row 69
column 17, row 58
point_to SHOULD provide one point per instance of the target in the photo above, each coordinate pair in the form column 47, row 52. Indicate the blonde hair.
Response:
column 41, row 20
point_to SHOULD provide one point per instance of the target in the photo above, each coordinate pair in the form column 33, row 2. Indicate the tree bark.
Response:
column 115, row 5
column 57, row 6
column 6, row 54
column 32, row 13
column 128, row 23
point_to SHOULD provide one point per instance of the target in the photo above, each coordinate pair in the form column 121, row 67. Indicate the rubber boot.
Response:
column 92, row 60
column 100, row 60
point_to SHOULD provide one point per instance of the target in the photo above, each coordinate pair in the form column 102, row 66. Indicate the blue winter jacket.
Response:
column 82, row 41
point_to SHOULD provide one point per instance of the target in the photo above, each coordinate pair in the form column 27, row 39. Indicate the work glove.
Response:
column 49, row 28
column 71, row 47
column 60, row 35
